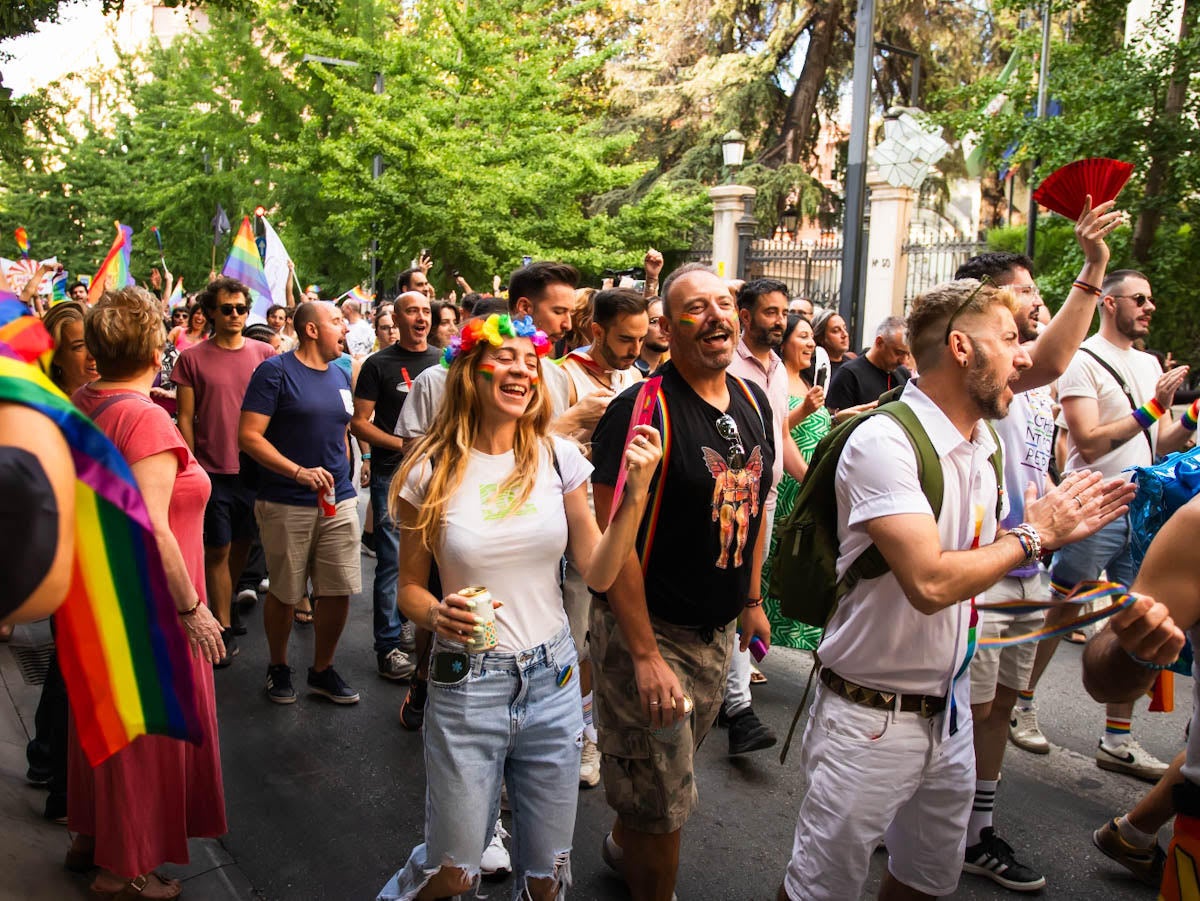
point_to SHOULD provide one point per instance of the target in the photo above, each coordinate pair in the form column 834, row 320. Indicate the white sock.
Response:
column 981, row 810
column 1133, row 835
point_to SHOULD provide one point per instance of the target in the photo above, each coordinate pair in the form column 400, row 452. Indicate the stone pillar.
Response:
column 887, row 272
column 729, row 206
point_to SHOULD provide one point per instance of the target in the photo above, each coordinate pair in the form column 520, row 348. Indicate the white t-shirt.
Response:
column 1087, row 378
column 1027, row 436
column 876, row 637
column 516, row 555
column 425, row 398
column 360, row 338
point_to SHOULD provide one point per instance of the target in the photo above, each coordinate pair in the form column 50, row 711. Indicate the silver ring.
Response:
column 655, row 703
column 1078, row 501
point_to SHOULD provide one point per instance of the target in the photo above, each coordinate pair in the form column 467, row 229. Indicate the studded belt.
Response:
column 926, row 705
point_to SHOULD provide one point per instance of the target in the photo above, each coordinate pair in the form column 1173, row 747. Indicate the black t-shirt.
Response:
column 382, row 380
column 28, row 525
column 696, row 575
column 860, row 381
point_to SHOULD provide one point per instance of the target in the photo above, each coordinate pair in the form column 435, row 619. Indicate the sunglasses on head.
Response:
column 986, row 280
column 228, row 309
column 1139, row 299
column 727, row 429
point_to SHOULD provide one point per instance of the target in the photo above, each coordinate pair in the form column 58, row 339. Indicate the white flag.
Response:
column 275, row 264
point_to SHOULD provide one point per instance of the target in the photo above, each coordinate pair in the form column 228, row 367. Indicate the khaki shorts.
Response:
column 577, row 601
column 299, row 543
column 1011, row 667
column 648, row 775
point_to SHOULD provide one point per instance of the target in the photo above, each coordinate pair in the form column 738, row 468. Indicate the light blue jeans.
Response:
column 507, row 718
column 1107, row 551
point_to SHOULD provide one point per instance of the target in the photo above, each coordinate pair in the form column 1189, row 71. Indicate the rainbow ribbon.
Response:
column 1084, row 593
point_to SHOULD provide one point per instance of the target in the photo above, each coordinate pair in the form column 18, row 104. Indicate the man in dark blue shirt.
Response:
column 293, row 425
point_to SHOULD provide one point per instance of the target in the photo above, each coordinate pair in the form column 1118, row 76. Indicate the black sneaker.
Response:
column 328, row 683
column 231, row 649
column 395, row 665
column 39, row 777
column 993, row 858
column 279, row 684
column 412, row 710
column 722, row 718
column 748, row 733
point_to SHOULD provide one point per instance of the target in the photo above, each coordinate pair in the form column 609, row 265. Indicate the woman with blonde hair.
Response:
column 496, row 501
column 138, row 808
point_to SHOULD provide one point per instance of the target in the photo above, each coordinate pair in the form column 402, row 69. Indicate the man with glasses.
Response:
column 1110, row 430
column 654, row 348
column 211, row 379
column 888, row 752
column 998, row 676
column 383, row 385
column 662, row 637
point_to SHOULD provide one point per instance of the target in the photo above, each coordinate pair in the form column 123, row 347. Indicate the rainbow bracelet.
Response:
column 1149, row 413
column 1191, row 416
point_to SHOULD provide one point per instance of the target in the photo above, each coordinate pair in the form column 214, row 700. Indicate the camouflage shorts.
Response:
column 648, row 775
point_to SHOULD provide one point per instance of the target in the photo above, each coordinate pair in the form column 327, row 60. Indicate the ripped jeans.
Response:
column 506, row 718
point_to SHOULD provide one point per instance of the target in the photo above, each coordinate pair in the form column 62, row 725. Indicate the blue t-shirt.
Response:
column 309, row 410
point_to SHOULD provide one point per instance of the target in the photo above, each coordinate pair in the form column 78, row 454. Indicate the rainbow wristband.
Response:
column 1191, row 416
column 1149, row 413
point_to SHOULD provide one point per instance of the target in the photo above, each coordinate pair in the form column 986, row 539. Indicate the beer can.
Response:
column 483, row 609
column 667, row 731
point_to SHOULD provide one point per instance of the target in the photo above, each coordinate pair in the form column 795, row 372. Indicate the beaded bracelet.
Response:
column 753, row 602
column 1030, row 540
column 1149, row 413
column 1084, row 286
column 1157, row 667
column 1191, row 416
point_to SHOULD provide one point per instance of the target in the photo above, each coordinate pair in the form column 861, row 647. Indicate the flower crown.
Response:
column 494, row 330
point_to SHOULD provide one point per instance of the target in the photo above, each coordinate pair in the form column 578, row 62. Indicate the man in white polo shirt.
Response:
column 888, row 750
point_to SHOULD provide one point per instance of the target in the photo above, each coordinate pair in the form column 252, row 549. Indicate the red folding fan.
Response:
column 1065, row 190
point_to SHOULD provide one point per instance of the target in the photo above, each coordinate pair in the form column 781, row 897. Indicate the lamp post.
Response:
column 376, row 161
column 790, row 220
column 733, row 151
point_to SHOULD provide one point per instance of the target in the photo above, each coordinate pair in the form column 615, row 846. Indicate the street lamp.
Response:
column 733, row 151
column 790, row 220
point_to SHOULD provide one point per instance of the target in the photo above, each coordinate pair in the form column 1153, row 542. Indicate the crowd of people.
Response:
column 576, row 499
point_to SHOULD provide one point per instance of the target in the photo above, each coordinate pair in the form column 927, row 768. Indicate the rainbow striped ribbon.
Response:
column 1084, row 593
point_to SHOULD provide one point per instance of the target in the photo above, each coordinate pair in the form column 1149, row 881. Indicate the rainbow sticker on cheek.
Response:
column 487, row 370
column 687, row 320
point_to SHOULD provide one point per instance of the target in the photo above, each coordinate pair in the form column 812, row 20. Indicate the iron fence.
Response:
column 929, row 263
column 809, row 269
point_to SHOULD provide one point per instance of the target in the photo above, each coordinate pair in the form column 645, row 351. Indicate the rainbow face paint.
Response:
column 487, row 370
column 687, row 320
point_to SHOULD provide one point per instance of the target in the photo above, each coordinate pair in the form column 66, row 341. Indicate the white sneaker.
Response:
column 589, row 764
column 264, row 585
column 1024, row 732
column 1131, row 759
column 495, row 863
column 246, row 596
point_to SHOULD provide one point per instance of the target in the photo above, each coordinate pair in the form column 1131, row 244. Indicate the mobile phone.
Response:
column 821, row 368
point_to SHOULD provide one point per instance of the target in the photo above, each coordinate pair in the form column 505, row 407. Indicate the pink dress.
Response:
column 144, row 802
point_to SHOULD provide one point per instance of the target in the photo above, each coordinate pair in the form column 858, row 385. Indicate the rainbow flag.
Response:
column 114, row 271
column 244, row 264
column 123, row 654
column 358, row 295
column 176, row 297
column 22, row 241
column 58, row 288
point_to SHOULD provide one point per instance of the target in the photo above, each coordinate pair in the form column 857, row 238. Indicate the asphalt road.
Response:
column 326, row 802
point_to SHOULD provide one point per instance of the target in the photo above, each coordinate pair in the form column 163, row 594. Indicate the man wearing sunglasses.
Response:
column 1110, row 430
column 888, row 749
column 211, row 378
column 662, row 637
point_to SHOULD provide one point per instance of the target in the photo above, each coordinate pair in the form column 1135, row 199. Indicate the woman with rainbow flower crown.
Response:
column 497, row 501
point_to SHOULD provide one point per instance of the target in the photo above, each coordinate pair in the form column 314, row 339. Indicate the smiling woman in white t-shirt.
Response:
column 497, row 502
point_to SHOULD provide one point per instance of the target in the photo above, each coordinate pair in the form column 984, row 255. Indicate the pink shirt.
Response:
column 774, row 381
column 219, row 377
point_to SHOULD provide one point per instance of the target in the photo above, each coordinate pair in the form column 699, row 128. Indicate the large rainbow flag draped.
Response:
column 114, row 271
column 124, row 658
column 244, row 264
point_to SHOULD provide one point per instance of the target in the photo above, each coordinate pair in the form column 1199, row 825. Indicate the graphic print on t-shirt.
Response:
column 497, row 504
column 1039, row 430
column 734, row 500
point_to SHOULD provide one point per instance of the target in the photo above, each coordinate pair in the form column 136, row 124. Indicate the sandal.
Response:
column 303, row 617
column 757, row 677
column 134, row 890
column 1077, row 637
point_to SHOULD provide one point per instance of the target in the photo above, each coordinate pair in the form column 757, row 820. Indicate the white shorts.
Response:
column 876, row 773
column 1011, row 667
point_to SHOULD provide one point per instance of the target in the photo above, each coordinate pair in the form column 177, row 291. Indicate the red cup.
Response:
column 329, row 503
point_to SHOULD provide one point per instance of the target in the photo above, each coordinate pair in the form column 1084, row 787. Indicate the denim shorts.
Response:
column 512, row 717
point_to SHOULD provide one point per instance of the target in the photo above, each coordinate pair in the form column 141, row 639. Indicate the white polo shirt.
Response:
column 876, row 637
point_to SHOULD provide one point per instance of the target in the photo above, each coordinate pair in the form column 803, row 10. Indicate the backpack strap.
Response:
column 1133, row 405
column 115, row 399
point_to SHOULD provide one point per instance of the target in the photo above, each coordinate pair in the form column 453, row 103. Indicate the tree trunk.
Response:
column 1147, row 222
column 802, row 108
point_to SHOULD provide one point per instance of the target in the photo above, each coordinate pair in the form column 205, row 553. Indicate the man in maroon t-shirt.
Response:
column 211, row 378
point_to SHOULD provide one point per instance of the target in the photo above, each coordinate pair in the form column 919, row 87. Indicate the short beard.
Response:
column 986, row 391
column 765, row 338
column 1128, row 326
